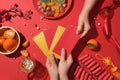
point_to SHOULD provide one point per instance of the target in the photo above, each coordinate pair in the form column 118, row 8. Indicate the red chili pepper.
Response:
column 106, row 12
column 107, row 28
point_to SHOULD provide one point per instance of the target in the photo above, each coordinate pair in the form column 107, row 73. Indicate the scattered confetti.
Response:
column 35, row 25
column 99, row 24
column 24, row 24
column 31, row 33
column 45, row 29
column 42, row 17
column 38, row 28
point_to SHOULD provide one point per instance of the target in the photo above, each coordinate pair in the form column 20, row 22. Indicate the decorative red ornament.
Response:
column 14, row 11
column 107, row 13
column 109, row 10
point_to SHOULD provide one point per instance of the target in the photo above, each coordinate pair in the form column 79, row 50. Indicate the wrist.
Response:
column 54, row 78
column 64, row 77
column 84, row 13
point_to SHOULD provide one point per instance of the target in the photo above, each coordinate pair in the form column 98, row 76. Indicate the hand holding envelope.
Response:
column 62, row 38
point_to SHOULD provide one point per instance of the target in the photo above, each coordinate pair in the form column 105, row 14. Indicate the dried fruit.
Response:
column 62, row 9
column 52, row 8
column 25, row 53
column 64, row 5
column 48, row 8
column 54, row 1
column 26, row 44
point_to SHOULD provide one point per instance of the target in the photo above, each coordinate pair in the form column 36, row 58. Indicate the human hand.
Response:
column 64, row 65
column 83, row 24
column 52, row 68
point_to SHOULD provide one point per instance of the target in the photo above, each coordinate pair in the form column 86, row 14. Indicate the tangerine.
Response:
column 9, row 34
column 2, row 31
column 92, row 44
column 1, row 41
column 10, row 44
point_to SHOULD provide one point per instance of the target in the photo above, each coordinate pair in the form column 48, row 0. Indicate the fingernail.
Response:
column 63, row 49
column 47, row 60
column 70, row 55
column 51, row 55
column 81, row 36
column 77, row 32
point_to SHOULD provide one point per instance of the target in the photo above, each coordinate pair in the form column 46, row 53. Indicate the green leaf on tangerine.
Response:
column 91, row 45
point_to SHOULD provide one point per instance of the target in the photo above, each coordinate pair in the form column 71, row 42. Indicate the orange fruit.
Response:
column 2, row 31
column 1, row 41
column 10, row 44
column 9, row 34
column 92, row 44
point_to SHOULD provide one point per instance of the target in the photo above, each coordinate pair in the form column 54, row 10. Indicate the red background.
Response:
column 9, row 65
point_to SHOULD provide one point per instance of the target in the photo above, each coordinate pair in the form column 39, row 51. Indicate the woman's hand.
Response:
column 60, row 71
column 52, row 68
column 83, row 24
column 83, row 20
column 64, row 65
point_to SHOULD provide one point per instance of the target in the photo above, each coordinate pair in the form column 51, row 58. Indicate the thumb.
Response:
column 70, row 59
column 79, row 28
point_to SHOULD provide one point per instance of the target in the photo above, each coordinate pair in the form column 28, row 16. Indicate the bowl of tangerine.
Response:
column 9, row 40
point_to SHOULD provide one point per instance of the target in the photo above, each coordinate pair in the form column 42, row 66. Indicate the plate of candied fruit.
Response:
column 52, row 9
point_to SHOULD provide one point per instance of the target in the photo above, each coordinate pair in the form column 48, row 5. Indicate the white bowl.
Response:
column 18, row 36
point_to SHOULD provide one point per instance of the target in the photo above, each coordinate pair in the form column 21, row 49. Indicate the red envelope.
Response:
column 68, row 40
column 54, row 39
column 49, row 35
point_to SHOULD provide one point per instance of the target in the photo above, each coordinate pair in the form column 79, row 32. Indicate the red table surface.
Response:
column 9, row 66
